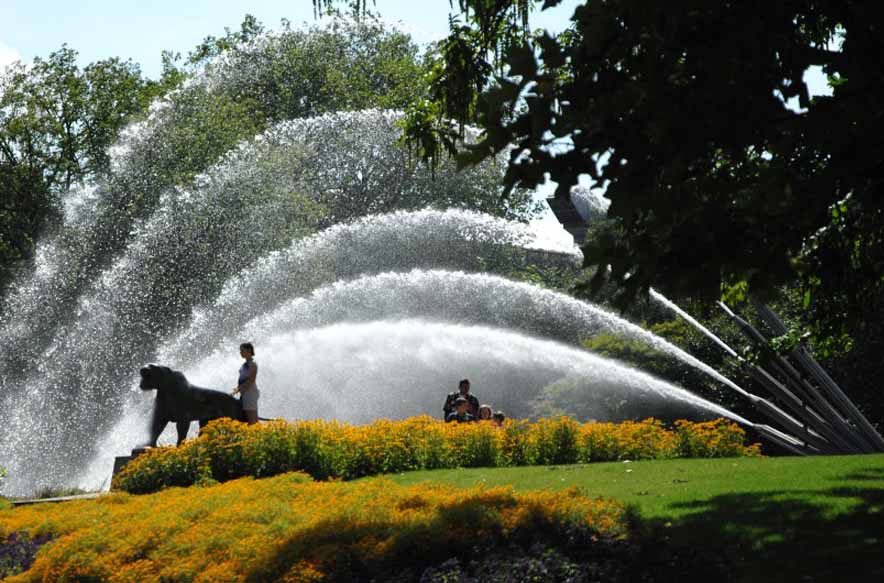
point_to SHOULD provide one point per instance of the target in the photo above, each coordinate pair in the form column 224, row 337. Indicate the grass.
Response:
column 751, row 519
column 769, row 519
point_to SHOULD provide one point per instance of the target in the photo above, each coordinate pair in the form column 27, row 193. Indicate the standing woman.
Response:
column 247, row 386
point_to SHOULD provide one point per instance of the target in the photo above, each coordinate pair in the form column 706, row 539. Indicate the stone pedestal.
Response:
column 121, row 461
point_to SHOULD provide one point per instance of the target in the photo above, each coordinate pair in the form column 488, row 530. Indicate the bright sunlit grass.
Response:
column 774, row 519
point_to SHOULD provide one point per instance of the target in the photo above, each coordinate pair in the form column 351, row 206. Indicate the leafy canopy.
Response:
column 57, row 122
column 678, row 109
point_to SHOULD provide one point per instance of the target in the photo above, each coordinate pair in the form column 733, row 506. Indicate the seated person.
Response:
column 461, row 413
column 484, row 413
column 498, row 418
column 463, row 390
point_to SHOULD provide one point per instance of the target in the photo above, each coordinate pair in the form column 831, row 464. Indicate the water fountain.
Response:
column 89, row 316
column 449, row 239
column 356, row 271
column 394, row 368
column 816, row 414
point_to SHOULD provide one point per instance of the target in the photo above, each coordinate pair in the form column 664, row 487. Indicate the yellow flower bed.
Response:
column 288, row 528
column 331, row 450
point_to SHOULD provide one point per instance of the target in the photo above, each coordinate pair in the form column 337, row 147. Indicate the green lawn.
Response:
column 770, row 519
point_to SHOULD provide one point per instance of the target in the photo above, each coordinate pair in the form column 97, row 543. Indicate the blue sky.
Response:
column 141, row 30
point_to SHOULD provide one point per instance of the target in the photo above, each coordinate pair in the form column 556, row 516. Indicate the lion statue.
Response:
column 179, row 401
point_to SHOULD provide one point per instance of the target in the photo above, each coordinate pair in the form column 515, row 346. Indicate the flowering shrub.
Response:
column 287, row 528
column 716, row 438
column 646, row 440
column 228, row 449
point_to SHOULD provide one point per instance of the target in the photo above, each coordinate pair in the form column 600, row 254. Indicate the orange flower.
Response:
column 326, row 450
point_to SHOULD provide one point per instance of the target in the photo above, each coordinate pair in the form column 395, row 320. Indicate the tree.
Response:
column 678, row 108
column 712, row 178
column 292, row 73
column 56, row 125
column 365, row 170
column 247, row 81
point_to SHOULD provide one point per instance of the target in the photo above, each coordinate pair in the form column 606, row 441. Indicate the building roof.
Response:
column 568, row 217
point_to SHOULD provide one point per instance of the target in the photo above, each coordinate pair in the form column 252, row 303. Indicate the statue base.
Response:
column 121, row 461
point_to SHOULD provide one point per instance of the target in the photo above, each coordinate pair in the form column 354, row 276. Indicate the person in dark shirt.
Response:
column 463, row 390
column 460, row 413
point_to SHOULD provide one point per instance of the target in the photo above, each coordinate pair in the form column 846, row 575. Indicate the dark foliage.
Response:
column 764, row 536
column 712, row 179
column 18, row 552
column 679, row 109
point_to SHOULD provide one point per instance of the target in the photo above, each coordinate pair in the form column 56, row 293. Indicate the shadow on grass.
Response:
column 455, row 545
column 869, row 474
column 821, row 535
column 834, row 534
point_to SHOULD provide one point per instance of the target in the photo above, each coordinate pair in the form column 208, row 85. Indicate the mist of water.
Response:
column 364, row 277
column 454, row 296
column 113, row 285
column 358, row 372
column 402, row 240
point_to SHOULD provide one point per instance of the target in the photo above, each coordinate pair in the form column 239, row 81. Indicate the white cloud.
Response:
column 8, row 55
